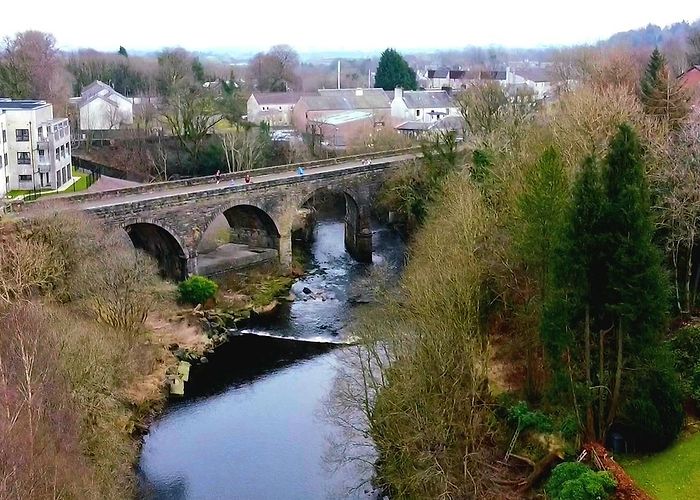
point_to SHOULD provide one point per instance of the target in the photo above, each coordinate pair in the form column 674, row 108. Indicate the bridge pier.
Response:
column 285, row 248
column 358, row 232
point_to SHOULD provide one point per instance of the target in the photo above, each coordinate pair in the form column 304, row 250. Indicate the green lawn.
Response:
column 673, row 474
column 80, row 185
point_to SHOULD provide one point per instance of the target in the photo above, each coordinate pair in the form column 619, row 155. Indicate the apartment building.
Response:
column 35, row 146
column 4, row 155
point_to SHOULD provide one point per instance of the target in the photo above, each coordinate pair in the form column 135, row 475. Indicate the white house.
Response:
column 540, row 80
column 274, row 108
column 421, row 105
column 103, row 108
column 36, row 151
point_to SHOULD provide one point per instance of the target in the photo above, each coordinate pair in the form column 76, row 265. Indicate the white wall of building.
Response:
column 4, row 155
column 277, row 115
column 38, row 149
column 400, row 111
column 106, row 114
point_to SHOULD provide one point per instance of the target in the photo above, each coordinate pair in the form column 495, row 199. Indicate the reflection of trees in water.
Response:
column 165, row 489
column 351, row 453
column 245, row 359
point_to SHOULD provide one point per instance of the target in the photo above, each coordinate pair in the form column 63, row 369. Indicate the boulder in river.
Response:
column 307, row 290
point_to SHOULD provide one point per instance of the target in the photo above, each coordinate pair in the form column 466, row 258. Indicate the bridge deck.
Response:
column 257, row 182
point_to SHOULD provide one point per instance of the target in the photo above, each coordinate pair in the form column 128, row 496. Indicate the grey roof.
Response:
column 535, row 74
column 437, row 73
column 278, row 98
column 455, row 123
column 449, row 123
column 21, row 104
column 456, row 74
column 99, row 90
column 492, row 75
column 415, row 125
column 427, row 99
column 348, row 99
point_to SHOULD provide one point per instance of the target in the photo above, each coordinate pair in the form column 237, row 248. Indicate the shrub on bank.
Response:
column 197, row 290
column 575, row 481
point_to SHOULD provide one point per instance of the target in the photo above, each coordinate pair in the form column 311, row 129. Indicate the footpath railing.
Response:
column 80, row 184
column 196, row 181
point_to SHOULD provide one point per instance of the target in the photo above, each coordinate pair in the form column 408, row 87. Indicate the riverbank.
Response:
column 261, row 402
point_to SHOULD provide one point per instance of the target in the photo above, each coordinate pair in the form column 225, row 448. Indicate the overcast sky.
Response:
column 352, row 25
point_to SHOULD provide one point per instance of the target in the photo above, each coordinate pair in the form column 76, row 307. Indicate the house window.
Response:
column 23, row 158
column 58, row 154
column 6, row 162
column 4, row 136
column 63, row 151
column 42, row 154
column 41, row 131
column 25, row 178
column 22, row 134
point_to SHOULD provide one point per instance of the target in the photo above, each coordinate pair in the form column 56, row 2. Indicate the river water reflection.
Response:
column 250, row 426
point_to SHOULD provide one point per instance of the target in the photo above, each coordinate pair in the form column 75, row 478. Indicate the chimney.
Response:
column 398, row 93
column 358, row 92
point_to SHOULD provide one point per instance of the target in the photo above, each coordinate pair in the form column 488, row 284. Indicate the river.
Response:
column 252, row 425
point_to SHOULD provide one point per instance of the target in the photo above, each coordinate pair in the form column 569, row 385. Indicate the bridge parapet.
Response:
column 227, row 177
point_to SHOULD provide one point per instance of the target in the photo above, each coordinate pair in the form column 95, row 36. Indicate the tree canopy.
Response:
column 393, row 71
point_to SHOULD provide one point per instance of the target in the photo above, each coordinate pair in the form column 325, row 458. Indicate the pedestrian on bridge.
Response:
column 217, row 176
column 300, row 171
column 247, row 178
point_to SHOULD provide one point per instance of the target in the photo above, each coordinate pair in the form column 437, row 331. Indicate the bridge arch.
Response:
column 161, row 243
column 358, row 233
column 253, row 226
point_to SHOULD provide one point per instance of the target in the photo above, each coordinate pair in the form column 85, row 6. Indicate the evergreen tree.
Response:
column 541, row 207
column 393, row 71
column 661, row 95
column 198, row 70
column 122, row 51
column 609, row 306
column 653, row 72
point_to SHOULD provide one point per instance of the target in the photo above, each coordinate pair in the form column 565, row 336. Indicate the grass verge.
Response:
column 673, row 474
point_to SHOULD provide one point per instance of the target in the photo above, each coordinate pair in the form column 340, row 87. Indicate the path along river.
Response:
column 252, row 424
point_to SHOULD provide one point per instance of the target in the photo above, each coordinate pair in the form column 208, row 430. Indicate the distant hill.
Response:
column 652, row 36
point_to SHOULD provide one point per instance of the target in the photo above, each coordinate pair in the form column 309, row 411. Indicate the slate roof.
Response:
column 437, row 73
column 427, row 99
column 278, row 98
column 99, row 90
column 347, row 99
column 453, row 123
column 21, row 104
column 535, row 74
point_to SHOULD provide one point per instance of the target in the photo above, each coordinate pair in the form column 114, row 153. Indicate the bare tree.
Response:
column 31, row 67
column 679, row 207
column 276, row 70
column 243, row 148
column 192, row 114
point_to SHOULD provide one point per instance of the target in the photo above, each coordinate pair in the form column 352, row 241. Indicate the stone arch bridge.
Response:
column 169, row 219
